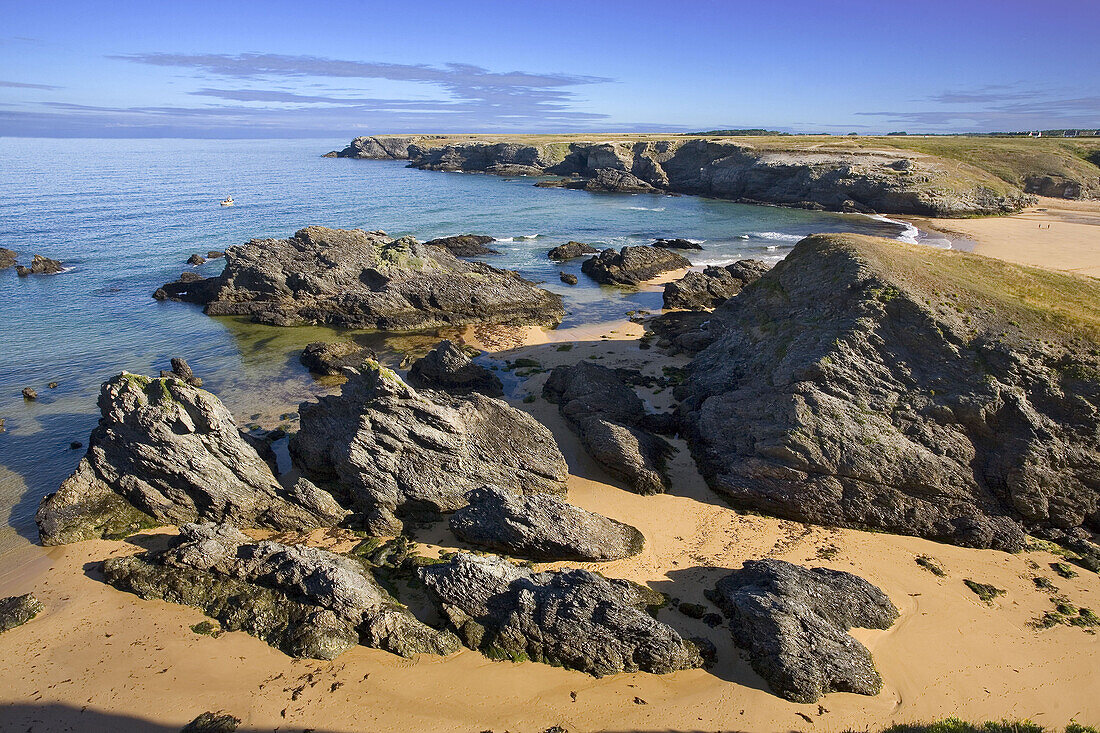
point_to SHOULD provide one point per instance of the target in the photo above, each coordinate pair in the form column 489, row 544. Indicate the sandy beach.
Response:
column 98, row 658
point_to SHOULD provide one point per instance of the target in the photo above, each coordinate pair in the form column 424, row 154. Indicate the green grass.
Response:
column 955, row 725
column 930, row 564
column 983, row 590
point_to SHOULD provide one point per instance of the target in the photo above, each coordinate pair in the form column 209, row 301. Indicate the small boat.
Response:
column 228, row 201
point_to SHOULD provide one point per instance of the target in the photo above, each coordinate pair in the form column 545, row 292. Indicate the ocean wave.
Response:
column 777, row 236
column 646, row 208
column 517, row 238
column 909, row 233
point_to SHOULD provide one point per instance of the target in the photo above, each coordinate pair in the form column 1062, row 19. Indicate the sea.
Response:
column 124, row 216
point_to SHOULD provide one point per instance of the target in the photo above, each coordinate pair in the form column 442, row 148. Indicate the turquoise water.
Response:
column 124, row 215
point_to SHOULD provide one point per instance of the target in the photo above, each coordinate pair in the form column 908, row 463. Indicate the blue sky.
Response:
column 318, row 69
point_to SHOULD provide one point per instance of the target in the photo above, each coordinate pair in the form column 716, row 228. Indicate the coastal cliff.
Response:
column 834, row 177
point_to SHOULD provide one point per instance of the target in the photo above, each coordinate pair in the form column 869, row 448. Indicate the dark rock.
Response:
column 30, row 394
column 465, row 245
column 608, row 180
column 2, row 428
column 449, row 368
column 190, row 277
column 214, row 254
column 357, row 279
column 18, row 610
column 22, row 270
column 382, row 147
column 568, row 278
column 167, row 453
column 571, row 250
column 330, row 359
column 632, row 265
column 196, row 260
column 208, row 722
column 45, row 266
column 76, row 445
column 713, row 286
column 677, row 244
column 571, row 618
column 610, row 420
column 182, row 370
column 542, row 527
column 7, row 258
column 793, row 621
column 307, row 602
column 53, row 385
column 401, row 453
column 906, row 389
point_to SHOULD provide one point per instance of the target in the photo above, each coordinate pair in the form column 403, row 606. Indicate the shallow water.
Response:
column 124, row 215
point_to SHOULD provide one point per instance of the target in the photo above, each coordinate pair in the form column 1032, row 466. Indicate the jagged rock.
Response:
column 40, row 266
column 18, row 610
column 168, row 453
column 542, row 527
column 211, row 722
column 632, row 265
column 214, row 254
column 677, row 244
column 904, row 388
column 30, row 394
column 571, row 250
column 568, row 278
column 399, row 453
column 189, row 277
column 182, row 370
column 611, row 422
column 357, row 279
column 793, row 621
column 449, row 368
column 305, row 601
column 2, row 428
column 330, row 359
column 609, row 180
column 713, row 286
column 7, row 258
column 196, row 260
column 465, row 245
column 571, row 618
column 382, row 147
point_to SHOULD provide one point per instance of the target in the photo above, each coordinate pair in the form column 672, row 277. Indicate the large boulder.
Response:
column 40, row 266
column 18, row 610
column 449, row 368
column 713, row 286
column 571, row 250
column 399, row 453
column 677, row 243
column 356, row 279
column 793, row 621
column 331, row 358
column 542, row 527
column 570, row 618
column 867, row 383
column 611, row 422
column 302, row 600
column 632, row 265
column 465, row 245
column 165, row 452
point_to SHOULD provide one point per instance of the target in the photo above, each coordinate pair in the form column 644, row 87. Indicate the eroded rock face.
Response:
column 610, row 419
column 632, row 265
column 571, row 250
column 449, row 368
column 465, row 245
column 40, row 266
column 609, row 180
column 376, row 148
column 18, row 610
column 542, row 527
column 571, row 618
column 168, row 453
column 356, row 279
column 401, row 453
column 866, row 383
column 331, row 358
column 302, row 600
column 793, row 621
column 713, row 286
column 7, row 258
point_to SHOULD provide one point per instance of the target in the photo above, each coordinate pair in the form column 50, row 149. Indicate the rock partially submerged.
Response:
column 631, row 266
column 356, row 279
column 196, row 259
column 399, row 453
column 305, row 601
column 568, row 278
column 465, row 245
column 713, row 286
column 572, row 618
column 677, row 244
column 542, row 527
column 449, row 368
column 7, row 258
column 611, row 422
column 793, row 621
column 571, row 250
column 40, row 266
column 168, row 453
column 905, row 388
column 331, row 358
column 18, row 610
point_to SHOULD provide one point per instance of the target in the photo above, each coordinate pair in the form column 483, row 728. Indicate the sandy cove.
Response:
column 97, row 658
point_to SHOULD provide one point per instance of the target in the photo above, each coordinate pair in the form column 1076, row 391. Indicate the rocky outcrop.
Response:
column 357, row 279
column 568, row 278
column 449, row 368
column 168, row 453
column 611, row 422
column 677, row 244
column 40, row 266
column 213, row 722
column 305, row 601
column 609, row 180
column 196, row 259
column 382, row 147
column 331, row 358
column 793, row 621
column 464, row 245
column 904, row 388
column 571, row 250
column 18, row 610
column 7, row 258
column 713, row 286
column 398, row 453
column 571, row 618
column 181, row 370
column 631, row 266
column 542, row 527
